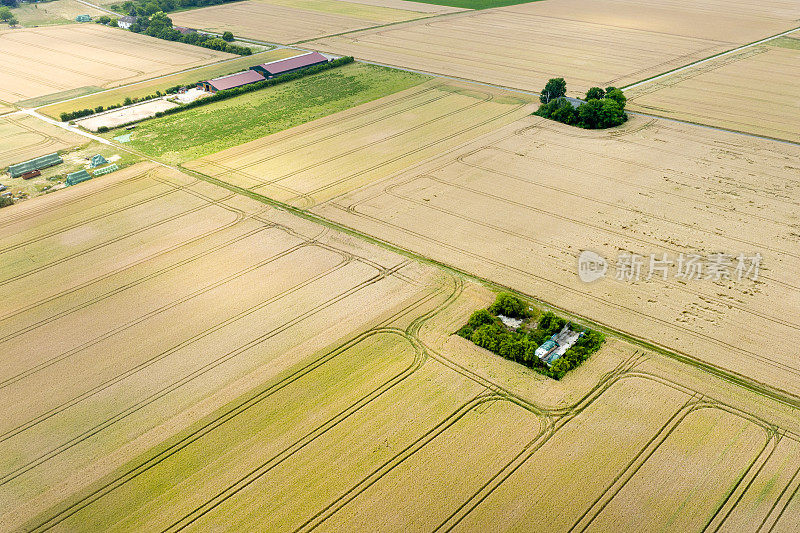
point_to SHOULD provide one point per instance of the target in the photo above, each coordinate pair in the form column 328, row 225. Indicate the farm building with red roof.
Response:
column 292, row 64
column 231, row 81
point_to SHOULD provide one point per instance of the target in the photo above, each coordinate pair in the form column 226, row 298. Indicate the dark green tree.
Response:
column 554, row 89
column 509, row 305
column 618, row 96
column 610, row 114
column 595, row 93
column 589, row 113
column 227, row 36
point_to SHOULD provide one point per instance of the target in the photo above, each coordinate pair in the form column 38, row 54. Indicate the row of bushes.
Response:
column 602, row 108
column 486, row 330
column 78, row 113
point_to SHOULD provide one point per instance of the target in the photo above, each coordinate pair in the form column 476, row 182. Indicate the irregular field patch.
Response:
column 145, row 88
column 752, row 91
column 289, row 21
column 322, row 159
column 207, row 129
column 43, row 61
column 56, row 12
column 519, row 205
column 586, row 42
column 25, row 137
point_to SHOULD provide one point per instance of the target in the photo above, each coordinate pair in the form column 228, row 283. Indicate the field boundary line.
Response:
column 152, row 275
column 565, row 288
column 553, row 426
column 241, row 406
column 135, row 264
column 694, row 404
column 709, row 58
column 775, row 439
column 301, row 443
column 251, row 397
column 393, row 462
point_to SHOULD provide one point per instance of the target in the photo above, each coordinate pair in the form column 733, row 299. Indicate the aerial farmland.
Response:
column 398, row 266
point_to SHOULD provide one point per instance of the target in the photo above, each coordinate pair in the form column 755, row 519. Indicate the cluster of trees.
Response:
column 6, row 201
column 487, row 331
column 108, row 21
column 160, row 25
column 603, row 108
column 145, row 8
column 7, row 16
column 9, row 3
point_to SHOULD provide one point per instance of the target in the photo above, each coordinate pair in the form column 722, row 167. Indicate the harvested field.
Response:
column 113, row 119
column 732, row 91
column 319, row 160
column 145, row 88
column 290, row 21
column 25, row 137
column 588, row 43
column 204, row 130
column 55, row 59
column 519, row 205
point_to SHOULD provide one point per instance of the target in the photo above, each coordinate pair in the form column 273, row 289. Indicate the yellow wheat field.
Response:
column 325, row 158
column 519, row 205
column 752, row 91
column 588, row 43
column 47, row 60
column 181, row 357
column 289, row 21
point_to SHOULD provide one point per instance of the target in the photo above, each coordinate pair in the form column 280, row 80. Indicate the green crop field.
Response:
column 207, row 129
